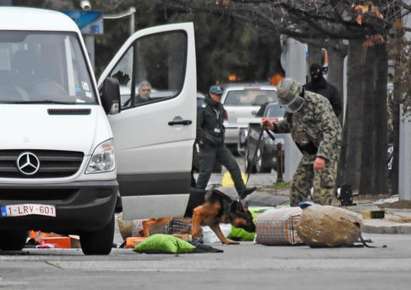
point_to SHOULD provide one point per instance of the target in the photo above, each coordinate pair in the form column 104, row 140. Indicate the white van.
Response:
column 59, row 170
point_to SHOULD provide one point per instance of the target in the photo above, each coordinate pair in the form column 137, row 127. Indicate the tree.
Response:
column 224, row 45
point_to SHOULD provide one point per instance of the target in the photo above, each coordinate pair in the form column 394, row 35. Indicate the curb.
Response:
column 385, row 227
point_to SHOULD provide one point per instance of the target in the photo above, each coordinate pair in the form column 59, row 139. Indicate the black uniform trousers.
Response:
column 208, row 157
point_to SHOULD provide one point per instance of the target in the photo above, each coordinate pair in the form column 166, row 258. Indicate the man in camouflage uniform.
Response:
column 317, row 133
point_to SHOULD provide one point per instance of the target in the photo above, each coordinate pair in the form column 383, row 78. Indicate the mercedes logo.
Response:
column 28, row 163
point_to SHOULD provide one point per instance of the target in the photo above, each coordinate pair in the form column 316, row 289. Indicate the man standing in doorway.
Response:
column 210, row 135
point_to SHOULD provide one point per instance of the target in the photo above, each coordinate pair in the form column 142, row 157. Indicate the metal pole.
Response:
column 132, row 23
column 405, row 156
column 90, row 44
column 280, row 163
column 129, row 13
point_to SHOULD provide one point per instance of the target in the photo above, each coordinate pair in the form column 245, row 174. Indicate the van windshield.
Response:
column 43, row 67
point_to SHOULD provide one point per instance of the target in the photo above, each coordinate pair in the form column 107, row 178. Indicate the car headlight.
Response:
column 102, row 159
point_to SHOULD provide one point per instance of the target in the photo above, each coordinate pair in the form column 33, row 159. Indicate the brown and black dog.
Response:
column 217, row 208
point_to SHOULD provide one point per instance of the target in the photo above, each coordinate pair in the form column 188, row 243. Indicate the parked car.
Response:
column 243, row 101
column 67, row 150
column 265, row 159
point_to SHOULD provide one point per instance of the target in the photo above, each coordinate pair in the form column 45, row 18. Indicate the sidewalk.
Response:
column 397, row 219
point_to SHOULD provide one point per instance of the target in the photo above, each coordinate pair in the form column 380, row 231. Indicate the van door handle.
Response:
column 180, row 122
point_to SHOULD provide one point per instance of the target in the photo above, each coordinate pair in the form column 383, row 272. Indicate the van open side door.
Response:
column 155, row 129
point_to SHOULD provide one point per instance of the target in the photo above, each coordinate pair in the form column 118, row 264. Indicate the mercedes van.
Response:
column 67, row 147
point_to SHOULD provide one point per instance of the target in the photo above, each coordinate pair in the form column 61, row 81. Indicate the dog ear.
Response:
column 244, row 205
column 208, row 194
column 237, row 206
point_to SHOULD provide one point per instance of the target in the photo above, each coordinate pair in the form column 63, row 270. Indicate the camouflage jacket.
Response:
column 317, row 124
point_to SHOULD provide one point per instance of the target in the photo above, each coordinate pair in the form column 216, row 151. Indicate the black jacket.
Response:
column 327, row 90
column 210, row 128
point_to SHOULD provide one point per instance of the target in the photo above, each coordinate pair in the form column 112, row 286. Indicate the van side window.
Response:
column 123, row 73
column 152, row 70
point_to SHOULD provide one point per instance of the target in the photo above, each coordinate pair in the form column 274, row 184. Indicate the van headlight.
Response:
column 102, row 159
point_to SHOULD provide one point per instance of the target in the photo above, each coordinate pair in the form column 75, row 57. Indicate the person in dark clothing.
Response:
column 319, row 85
column 210, row 137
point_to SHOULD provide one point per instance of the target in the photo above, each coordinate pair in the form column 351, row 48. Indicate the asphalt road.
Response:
column 247, row 266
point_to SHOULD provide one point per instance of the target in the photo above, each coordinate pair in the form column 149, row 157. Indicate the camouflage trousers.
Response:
column 322, row 182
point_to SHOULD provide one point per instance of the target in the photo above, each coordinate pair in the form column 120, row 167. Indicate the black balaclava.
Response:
column 316, row 73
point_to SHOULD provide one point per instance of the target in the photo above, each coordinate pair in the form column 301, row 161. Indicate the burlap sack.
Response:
column 328, row 226
column 278, row 226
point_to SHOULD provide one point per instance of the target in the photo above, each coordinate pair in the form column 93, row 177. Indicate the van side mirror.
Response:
column 110, row 96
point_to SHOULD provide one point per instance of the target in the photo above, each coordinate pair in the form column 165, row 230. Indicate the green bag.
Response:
column 160, row 243
column 239, row 234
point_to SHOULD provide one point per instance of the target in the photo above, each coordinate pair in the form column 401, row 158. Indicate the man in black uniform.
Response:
column 320, row 86
column 210, row 136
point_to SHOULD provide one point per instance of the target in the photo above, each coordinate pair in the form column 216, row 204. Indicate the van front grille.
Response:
column 39, row 163
column 22, row 194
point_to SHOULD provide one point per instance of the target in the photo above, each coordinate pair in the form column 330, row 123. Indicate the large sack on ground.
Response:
column 278, row 226
column 329, row 226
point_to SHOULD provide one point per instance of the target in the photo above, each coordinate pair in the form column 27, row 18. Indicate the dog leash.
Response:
column 253, row 160
column 366, row 243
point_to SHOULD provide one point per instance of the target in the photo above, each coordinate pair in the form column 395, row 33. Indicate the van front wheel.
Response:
column 98, row 242
column 12, row 240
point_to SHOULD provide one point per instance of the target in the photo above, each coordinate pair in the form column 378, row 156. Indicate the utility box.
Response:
column 294, row 62
column 294, row 59
column 404, row 185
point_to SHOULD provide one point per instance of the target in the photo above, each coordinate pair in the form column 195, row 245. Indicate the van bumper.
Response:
column 80, row 206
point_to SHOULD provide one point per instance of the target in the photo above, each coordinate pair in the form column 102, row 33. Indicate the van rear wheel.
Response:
column 98, row 242
column 12, row 240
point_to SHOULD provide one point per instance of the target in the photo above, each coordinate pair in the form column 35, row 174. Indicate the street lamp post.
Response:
column 129, row 13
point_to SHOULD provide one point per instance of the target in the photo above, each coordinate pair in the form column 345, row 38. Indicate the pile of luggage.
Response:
column 313, row 225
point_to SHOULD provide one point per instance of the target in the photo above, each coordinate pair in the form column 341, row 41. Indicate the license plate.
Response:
column 28, row 209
